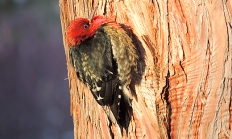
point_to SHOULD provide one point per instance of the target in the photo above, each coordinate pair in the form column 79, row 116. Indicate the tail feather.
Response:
column 121, row 108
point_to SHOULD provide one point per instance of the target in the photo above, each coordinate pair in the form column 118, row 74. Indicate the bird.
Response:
column 105, row 59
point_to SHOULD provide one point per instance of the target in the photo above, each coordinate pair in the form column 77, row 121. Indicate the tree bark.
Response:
column 185, row 50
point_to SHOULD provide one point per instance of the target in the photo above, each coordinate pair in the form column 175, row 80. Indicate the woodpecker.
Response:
column 104, row 59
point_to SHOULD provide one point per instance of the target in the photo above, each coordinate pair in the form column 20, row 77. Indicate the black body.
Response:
column 94, row 63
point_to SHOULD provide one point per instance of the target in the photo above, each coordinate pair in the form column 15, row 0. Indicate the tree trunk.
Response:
column 185, row 50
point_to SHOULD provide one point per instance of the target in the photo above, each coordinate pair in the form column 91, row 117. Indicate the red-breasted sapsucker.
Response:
column 104, row 59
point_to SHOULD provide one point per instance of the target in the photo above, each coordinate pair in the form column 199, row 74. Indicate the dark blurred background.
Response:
column 34, row 95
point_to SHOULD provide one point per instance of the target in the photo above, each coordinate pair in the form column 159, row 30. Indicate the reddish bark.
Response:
column 186, row 85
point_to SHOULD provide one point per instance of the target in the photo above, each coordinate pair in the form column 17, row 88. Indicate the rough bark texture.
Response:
column 185, row 50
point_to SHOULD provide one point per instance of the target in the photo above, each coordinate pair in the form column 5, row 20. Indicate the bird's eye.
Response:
column 86, row 26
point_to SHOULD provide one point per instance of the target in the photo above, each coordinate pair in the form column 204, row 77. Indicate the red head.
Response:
column 81, row 29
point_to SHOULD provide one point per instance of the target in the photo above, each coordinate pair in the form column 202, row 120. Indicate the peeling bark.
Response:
column 185, row 83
